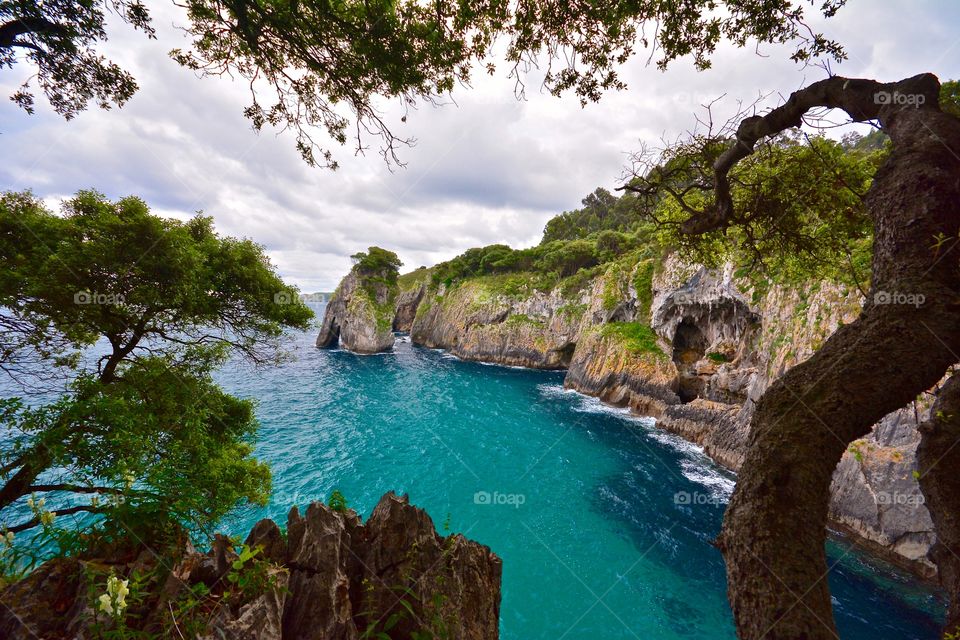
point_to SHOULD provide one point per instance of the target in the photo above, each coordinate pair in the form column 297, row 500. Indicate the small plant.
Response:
column 856, row 448
column 717, row 357
column 249, row 574
column 338, row 502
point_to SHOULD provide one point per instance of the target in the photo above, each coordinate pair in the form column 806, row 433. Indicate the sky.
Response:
column 485, row 169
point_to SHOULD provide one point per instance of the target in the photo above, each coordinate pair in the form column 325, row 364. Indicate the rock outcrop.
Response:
column 331, row 578
column 360, row 314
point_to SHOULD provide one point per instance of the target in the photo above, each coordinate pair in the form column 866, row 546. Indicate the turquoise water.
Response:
column 595, row 538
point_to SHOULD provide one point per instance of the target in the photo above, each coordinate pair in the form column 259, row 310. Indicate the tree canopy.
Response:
column 136, row 312
column 313, row 63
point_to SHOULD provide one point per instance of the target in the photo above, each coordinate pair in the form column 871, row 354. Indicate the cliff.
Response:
column 330, row 577
column 360, row 314
column 693, row 348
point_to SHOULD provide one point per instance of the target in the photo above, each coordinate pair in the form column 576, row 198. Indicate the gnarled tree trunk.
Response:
column 907, row 336
column 938, row 461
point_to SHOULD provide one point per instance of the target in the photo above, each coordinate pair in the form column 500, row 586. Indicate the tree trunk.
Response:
column 907, row 336
column 938, row 458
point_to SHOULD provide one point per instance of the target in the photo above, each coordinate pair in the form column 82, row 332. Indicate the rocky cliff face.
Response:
column 360, row 315
column 695, row 349
column 330, row 578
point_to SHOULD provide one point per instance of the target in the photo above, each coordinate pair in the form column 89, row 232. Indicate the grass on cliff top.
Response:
column 636, row 337
column 415, row 278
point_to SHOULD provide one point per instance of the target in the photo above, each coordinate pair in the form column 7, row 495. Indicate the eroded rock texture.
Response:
column 330, row 578
column 360, row 314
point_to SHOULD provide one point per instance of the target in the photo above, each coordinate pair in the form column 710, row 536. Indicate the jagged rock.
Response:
column 340, row 579
column 359, row 316
column 447, row 582
column 267, row 535
column 407, row 303
column 321, row 558
column 48, row 603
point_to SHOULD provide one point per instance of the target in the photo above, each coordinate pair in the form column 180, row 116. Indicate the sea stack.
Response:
column 360, row 314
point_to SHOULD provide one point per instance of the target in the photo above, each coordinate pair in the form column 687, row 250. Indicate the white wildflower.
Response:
column 114, row 601
column 105, row 605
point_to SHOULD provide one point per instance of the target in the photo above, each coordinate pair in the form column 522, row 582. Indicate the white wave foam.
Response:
column 589, row 404
column 704, row 473
column 674, row 441
column 695, row 465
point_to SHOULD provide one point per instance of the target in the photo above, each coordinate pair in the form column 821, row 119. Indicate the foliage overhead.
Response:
column 314, row 63
column 59, row 38
column 799, row 204
column 136, row 312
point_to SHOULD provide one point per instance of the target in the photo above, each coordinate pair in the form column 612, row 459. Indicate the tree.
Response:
column 378, row 262
column 141, row 311
column 774, row 529
column 305, row 59
column 59, row 38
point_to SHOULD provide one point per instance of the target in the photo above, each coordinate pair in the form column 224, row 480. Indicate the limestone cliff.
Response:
column 330, row 577
column 695, row 349
column 360, row 314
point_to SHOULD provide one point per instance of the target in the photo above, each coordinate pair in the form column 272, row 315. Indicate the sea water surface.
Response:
column 603, row 522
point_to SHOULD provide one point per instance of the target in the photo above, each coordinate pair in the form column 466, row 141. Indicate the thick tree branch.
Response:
column 74, row 488
column 35, row 522
column 10, row 31
column 861, row 99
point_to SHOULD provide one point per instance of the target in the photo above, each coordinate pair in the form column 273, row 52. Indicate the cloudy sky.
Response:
column 487, row 169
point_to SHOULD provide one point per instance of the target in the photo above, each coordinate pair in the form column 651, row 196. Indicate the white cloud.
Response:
column 489, row 169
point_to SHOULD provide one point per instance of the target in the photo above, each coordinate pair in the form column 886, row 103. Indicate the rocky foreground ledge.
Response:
column 329, row 577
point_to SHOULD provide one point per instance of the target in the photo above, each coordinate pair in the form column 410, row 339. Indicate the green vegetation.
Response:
column 304, row 60
column 378, row 263
column 636, row 337
column 338, row 502
column 522, row 318
column 120, row 318
column 816, row 186
column 719, row 358
column 413, row 279
column 379, row 274
column 820, row 233
column 576, row 247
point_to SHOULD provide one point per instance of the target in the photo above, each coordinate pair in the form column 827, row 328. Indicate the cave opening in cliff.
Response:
column 689, row 346
column 565, row 354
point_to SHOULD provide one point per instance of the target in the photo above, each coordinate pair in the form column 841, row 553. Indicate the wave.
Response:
column 590, row 404
column 695, row 466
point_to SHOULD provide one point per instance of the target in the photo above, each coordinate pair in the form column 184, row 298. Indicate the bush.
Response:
column 380, row 262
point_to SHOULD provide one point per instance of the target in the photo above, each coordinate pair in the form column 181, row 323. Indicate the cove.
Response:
column 603, row 522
